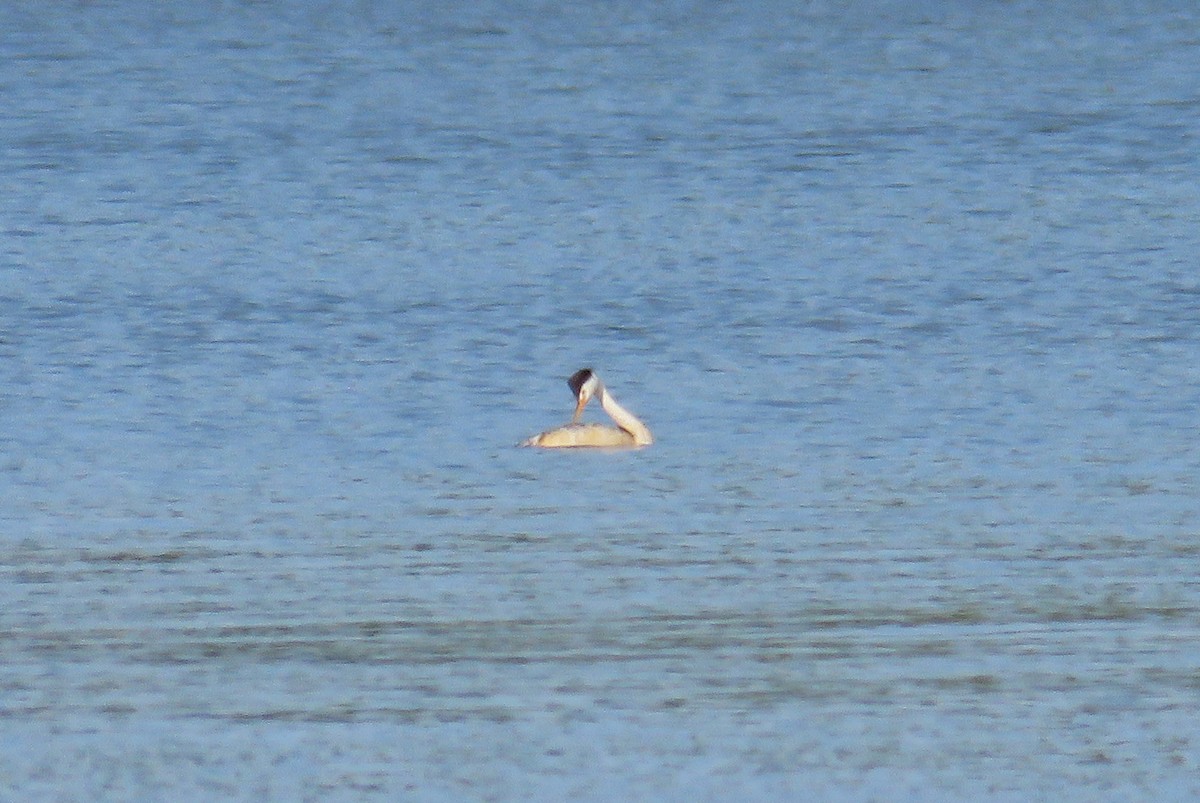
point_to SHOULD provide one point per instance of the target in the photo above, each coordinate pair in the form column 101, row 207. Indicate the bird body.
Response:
column 630, row 431
column 572, row 435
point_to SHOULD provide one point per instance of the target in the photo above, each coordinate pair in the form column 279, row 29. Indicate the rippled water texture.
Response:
column 908, row 294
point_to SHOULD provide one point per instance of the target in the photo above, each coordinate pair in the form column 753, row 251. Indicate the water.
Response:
column 907, row 293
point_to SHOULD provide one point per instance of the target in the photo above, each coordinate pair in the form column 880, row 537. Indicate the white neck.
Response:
column 625, row 419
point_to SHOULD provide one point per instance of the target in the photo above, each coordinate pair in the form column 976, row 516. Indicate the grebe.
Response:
column 630, row 431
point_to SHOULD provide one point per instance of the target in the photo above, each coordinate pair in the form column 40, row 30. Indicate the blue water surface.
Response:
column 908, row 294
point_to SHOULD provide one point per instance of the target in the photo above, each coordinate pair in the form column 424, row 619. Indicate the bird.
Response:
column 585, row 384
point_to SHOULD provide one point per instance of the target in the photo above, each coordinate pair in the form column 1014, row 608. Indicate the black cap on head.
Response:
column 578, row 378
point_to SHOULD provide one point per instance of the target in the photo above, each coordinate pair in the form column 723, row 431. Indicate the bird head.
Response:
column 584, row 384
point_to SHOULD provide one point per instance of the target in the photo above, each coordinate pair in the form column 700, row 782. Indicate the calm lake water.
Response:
column 908, row 292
